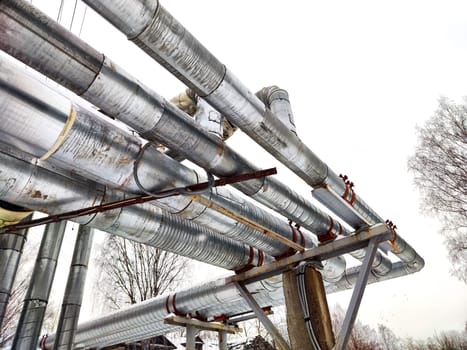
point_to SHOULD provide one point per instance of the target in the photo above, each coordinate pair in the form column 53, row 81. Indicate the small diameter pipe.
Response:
column 11, row 249
column 37, row 297
column 72, row 299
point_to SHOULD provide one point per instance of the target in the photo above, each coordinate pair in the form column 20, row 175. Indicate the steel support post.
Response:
column 281, row 342
column 222, row 340
column 191, row 333
column 357, row 295
column 193, row 326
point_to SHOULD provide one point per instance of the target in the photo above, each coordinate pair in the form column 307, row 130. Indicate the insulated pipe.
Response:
column 277, row 100
column 40, row 42
column 24, row 183
column 145, row 319
column 37, row 297
column 72, row 299
column 11, row 249
column 112, row 86
column 399, row 269
column 162, row 37
column 85, row 143
column 120, row 95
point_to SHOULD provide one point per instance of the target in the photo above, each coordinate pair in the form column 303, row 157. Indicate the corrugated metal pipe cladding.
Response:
column 72, row 299
column 40, row 285
column 211, row 80
column 144, row 223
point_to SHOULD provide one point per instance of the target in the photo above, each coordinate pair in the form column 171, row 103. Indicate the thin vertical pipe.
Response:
column 71, row 306
column 35, row 303
column 11, row 249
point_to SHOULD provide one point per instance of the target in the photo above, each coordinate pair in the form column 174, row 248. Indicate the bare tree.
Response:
column 440, row 172
column 362, row 337
column 389, row 340
column 13, row 310
column 132, row 272
column 18, row 293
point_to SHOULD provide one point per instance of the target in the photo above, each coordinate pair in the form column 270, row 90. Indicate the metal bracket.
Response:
column 338, row 247
column 193, row 326
column 281, row 342
column 357, row 295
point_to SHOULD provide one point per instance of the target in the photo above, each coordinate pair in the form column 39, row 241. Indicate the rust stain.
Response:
column 124, row 160
column 220, row 148
column 36, row 194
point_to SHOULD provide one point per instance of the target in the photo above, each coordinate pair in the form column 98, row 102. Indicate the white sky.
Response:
column 361, row 75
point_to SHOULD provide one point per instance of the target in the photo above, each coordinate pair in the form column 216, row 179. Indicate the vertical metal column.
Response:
column 11, row 248
column 222, row 340
column 191, row 333
column 37, row 297
column 357, row 295
column 73, row 296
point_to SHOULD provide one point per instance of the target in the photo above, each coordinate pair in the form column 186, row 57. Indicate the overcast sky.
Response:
column 361, row 76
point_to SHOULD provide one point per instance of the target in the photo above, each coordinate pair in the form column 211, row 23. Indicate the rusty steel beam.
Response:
column 139, row 200
column 222, row 210
column 361, row 239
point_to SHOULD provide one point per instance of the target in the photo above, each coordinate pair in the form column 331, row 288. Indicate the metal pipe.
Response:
column 87, row 144
column 37, row 296
column 146, row 318
column 11, row 249
column 40, row 189
column 399, row 269
column 162, row 37
column 214, row 298
column 120, row 95
column 277, row 100
column 71, row 305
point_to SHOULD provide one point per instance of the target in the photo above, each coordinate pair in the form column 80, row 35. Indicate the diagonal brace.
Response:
column 357, row 295
column 281, row 342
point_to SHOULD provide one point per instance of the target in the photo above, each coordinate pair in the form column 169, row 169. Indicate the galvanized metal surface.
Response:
column 266, row 322
column 120, row 95
column 11, row 249
column 96, row 149
column 31, row 186
column 245, row 110
column 277, row 100
column 357, row 295
column 80, row 62
column 158, row 34
column 146, row 319
column 72, row 299
column 37, row 296
column 220, row 297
